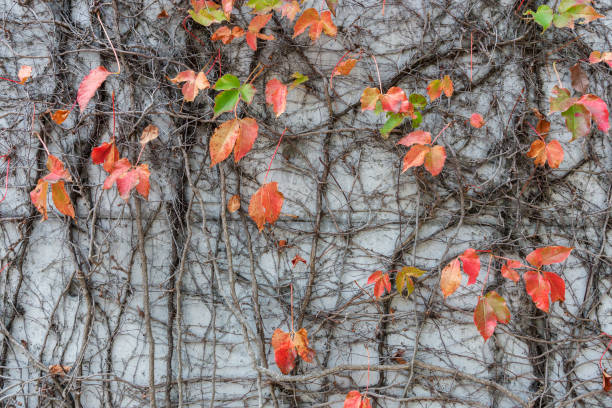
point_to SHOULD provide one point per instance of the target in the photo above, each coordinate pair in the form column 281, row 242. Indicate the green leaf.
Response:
column 206, row 17
column 416, row 122
column 393, row 121
column 578, row 120
column 378, row 109
column 247, row 91
column 264, row 6
column 225, row 101
column 226, row 82
column 297, row 79
column 418, row 100
column 563, row 20
column 403, row 280
column 544, row 16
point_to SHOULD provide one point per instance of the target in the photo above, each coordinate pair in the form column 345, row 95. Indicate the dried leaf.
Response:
column 24, row 73
column 149, row 133
column 233, row 203
column 297, row 258
column 59, row 116
column 90, row 85
column 580, row 82
column 193, row 83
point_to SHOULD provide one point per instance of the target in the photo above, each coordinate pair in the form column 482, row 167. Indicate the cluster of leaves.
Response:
column 403, row 281
column 56, row 177
column 578, row 112
column 544, row 287
column 568, row 12
column 288, row 346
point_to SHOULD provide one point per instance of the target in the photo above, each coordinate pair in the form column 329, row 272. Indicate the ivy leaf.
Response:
column 415, row 156
column 381, row 283
column 332, row 4
column 225, row 35
column 61, row 200
column 106, row 153
column 226, row 101
column 90, row 85
column 297, row 79
column 580, row 82
column 227, row 6
column 246, row 138
column 266, row 204
column 541, row 152
column 355, row 400
column 264, row 6
column 247, row 92
column 59, row 116
column 418, row 101
column 287, row 349
column 276, row 95
column 255, row 26
column 233, row 204
column 450, row 280
column 369, row 98
column 577, row 120
column 24, row 74
column 561, row 100
column 404, row 280
column 416, row 137
column 471, row 264
column 56, row 170
column 395, row 101
column 434, row 160
column 297, row 258
column 436, row 87
column 490, row 310
column 206, row 12
column 476, row 120
column 193, row 84
column 149, row 134
column 227, row 82
column 543, row 17
column 393, row 121
column 310, row 19
column 598, row 56
column 508, row 270
column 598, row 109
column 290, row 8
column 548, row 255
column 38, row 196
column 540, row 285
column 606, row 381
column 127, row 178
column 236, row 134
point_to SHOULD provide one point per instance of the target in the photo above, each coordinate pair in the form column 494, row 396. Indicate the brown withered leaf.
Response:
column 606, row 381
column 59, row 116
column 580, row 82
column 149, row 133
column 58, row 369
column 234, row 203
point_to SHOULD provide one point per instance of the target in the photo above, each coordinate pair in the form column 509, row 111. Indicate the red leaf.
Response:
column 266, row 204
column 542, row 152
column 355, row 400
column 415, row 156
column 297, row 259
column 548, row 255
column 476, row 120
column 143, row 185
column 255, row 26
column 394, row 100
column 127, row 178
column 508, row 271
column 39, row 197
column 416, row 137
column 597, row 56
column 90, row 85
column 246, row 138
column 557, row 286
column 276, row 95
column 471, row 264
column 193, row 83
column 450, row 279
column 538, row 288
column 598, row 109
column 24, row 73
column 490, row 310
column 106, row 153
column 57, row 171
column 61, row 200
column 287, row 349
column 381, row 283
column 227, row 5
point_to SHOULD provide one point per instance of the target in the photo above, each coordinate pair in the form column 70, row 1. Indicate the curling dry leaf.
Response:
column 297, row 258
column 606, row 381
column 286, row 349
column 266, row 204
column 193, row 83
column 276, row 95
column 490, row 310
column 90, row 85
column 233, row 203
column 236, row 134
column 580, row 82
column 542, row 152
column 24, row 73
column 355, row 400
column 310, row 18
column 59, row 116
column 149, row 133
column 381, row 283
column 255, row 26
column 58, row 369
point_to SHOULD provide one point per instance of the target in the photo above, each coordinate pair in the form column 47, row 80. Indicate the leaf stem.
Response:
column 272, row 159
column 8, row 166
column 605, row 351
column 378, row 73
column 484, row 284
column 445, row 127
column 111, row 45
column 291, row 288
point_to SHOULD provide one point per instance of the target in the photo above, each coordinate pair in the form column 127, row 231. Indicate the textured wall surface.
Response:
column 209, row 289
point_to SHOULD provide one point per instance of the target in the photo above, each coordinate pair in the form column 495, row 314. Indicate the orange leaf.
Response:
column 415, row 156
column 106, row 153
column 287, row 349
column 435, row 88
column 225, row 35
column 276, row 95
column 61, row 200
column 57, row 171
column 193, row 83
column 541, row 152
column 434, row 160
column 227, row 5
column 508, row 271
column 290, row 8
column 345, row 67
column 127, row 178
column 355, row 400
column 266, row 204
column 143, row 185
column 369, row 98
column 59, row 369
column 39, row 197
column 490, row 310
column 149, row 133
column 606, row 381
column 59, row 116
column 381, row 283
column 163, row 14
column 548, row 255
column 246, row 138
column 297, row 259
column 223, row 140
column 597, row 56
column 234, row 203
column 255, row 26
column 447, row 86
column 90, row 85
column 300, row 340
column 476, row 120
column 310, row 18
column 24, row 73
column 416, row 137
column 450, row 278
